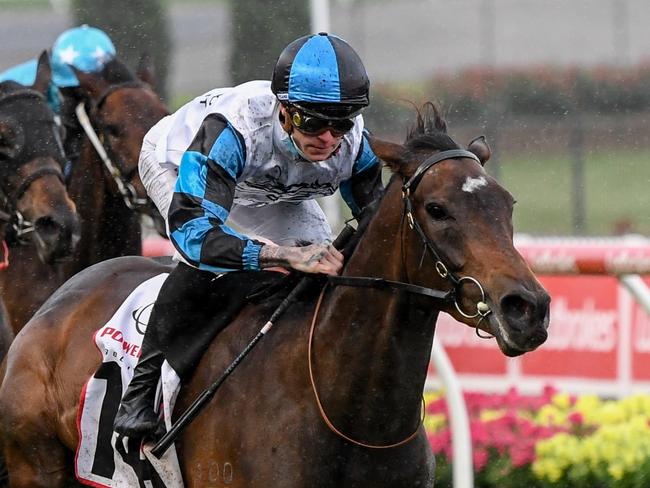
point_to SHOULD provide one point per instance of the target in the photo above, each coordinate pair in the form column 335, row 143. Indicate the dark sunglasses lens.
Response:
column 315, row 125
column 312, row 125
column 342, row 126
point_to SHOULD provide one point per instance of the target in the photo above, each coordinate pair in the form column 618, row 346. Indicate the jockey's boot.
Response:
column 136, row 417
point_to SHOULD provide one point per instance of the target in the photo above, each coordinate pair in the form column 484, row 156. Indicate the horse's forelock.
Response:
column 430, row 130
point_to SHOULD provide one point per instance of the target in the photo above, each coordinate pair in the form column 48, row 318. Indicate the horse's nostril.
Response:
column 515, row 307
column 47, row 228
column 55, row 240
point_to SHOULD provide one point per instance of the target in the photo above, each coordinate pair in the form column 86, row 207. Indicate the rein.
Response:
column 125, row 188
column 321, row 409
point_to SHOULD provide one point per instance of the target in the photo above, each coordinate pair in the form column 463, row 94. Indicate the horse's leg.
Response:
column 34, row 456
column 37, row 465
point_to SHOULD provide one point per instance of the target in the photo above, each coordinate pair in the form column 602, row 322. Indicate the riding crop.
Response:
column 195, row 408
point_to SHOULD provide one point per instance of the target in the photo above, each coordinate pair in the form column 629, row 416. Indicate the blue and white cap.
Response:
column 323, row 75
column 86, row 48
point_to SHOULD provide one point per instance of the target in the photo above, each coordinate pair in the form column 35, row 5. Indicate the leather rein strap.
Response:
column 382, row 284
column 321, row 409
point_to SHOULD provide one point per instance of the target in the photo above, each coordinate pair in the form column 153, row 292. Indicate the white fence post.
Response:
column 461, row 440
column 637, row 287
column 320, row 22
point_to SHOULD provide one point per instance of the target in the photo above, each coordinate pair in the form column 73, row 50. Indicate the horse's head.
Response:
column 32, row 191
column 457, row 234
column 122, row 110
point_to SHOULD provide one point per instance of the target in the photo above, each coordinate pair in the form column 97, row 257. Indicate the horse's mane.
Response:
column 116, row 72
column 429, row 131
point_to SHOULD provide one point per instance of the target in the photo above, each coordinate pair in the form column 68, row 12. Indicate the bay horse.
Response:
column 37, row 217
column 356, row 354
column 106, row 189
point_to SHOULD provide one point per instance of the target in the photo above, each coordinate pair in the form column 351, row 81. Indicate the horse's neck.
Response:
column 372, row 347
column 108, row 227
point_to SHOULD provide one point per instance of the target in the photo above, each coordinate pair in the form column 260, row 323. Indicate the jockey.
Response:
column 86, row 48
column 254, row 156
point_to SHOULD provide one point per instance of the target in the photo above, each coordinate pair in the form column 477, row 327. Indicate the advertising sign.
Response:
column 599, row 336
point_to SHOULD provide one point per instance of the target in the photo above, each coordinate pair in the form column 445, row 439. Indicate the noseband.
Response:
column 9, row 200
column 122, row 181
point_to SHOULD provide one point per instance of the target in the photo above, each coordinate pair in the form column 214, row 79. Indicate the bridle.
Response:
column 451, row 295
column 446, row 296
column 9, row 212
column 482, row 308
column 103, row 148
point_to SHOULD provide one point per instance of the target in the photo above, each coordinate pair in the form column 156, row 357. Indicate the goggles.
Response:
column 310, row 125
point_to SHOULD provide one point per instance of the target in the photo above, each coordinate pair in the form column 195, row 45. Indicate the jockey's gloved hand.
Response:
column 314, row 258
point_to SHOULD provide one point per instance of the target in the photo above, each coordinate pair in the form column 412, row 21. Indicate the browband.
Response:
column 436, row 158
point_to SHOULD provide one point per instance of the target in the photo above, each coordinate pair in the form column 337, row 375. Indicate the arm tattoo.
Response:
column 288, row 256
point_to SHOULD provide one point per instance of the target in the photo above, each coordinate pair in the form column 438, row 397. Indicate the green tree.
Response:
column 135, row 26
column 261, row 29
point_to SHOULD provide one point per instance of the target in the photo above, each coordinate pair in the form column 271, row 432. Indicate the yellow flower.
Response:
column 561, row 400
column 487, row 415
column 435, row 422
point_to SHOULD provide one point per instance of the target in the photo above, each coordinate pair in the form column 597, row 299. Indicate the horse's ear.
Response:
column 481, row 149
column 91, row 84
column 389, row 152
column 43, row 74
column 145, row 70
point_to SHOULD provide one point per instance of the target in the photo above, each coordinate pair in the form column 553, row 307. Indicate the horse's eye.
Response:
column 437, row 212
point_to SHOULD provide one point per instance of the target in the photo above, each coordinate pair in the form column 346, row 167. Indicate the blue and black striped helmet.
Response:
column 322, row 75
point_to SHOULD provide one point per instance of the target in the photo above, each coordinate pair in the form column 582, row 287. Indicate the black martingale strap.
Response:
column 382, row 284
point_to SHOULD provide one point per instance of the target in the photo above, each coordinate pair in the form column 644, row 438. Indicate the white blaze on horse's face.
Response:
column 473, row 184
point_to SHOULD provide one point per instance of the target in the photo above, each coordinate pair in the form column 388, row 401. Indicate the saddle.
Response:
column 230, row 293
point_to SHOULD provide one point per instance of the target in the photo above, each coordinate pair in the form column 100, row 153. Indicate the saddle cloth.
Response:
column 105, row 458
